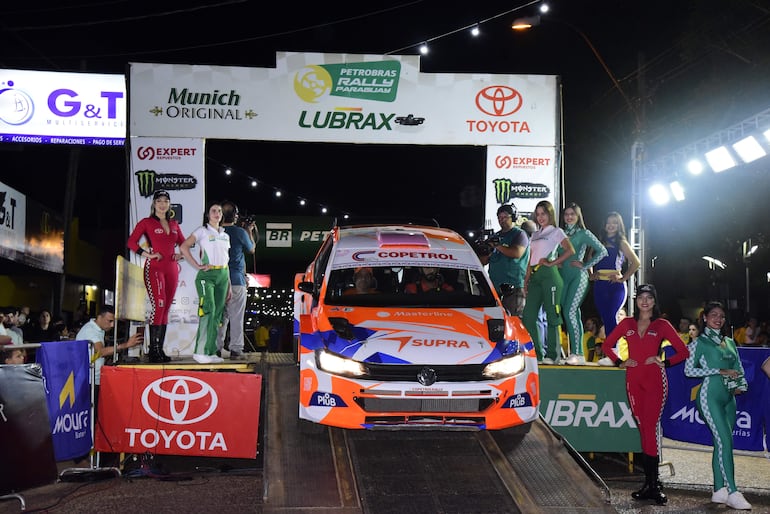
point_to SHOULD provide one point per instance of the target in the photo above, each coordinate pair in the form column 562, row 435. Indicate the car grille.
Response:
column 409, row 372
column 424, row 404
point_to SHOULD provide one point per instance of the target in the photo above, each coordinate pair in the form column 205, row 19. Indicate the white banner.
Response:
column 343, row 98
column 62, row 108
column 177, row 166
column 522, row 176
column 13, row 219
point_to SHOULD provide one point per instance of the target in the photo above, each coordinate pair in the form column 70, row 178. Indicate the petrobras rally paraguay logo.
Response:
column 16, row 106
column 179, row 400
column 376, row 81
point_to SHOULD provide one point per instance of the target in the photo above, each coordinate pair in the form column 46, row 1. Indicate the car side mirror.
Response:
column 306, row 287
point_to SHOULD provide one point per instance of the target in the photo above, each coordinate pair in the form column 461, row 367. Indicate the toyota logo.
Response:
column 179, row 400
column 426, row 376
column 498, row 100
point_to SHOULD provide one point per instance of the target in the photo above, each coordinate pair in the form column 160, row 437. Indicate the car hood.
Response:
column 412, row 336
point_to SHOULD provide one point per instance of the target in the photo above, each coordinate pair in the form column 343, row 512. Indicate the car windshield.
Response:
column 408, row 286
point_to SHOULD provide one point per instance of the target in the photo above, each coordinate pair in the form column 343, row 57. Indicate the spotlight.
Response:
column 695, row 167
column 659, row 194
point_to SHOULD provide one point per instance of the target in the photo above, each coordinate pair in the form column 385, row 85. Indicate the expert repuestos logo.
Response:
column 179, row 400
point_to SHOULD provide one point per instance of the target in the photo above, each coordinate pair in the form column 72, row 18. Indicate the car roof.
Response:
column 402, row 245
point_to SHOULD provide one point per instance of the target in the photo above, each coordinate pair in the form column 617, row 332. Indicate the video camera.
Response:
column 484, row 245
column 247, row 219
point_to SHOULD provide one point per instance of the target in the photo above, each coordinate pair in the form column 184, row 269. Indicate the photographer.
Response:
column 507, row 253
column 241, row 240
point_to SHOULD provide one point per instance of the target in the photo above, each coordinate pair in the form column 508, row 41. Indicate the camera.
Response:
column 484, row 245
column 246, row 220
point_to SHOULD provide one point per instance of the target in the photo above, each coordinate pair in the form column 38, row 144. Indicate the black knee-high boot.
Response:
column 656, row 491
column 643, row 493
column 157, row 336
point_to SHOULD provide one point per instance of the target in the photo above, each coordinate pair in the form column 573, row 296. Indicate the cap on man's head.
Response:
column 159, row 193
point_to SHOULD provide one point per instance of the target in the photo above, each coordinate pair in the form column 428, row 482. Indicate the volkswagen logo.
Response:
column 498, row 100
column 179, row 400
column 427, row 376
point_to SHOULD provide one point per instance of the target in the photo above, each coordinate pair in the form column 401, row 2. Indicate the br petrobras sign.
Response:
column 42, row 107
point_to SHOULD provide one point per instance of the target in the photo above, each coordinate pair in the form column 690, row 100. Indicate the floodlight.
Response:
column 659, row 194
column 749, row 149
column 677, row 190
column 720, row 159
column 714, row 262
column 695, row 167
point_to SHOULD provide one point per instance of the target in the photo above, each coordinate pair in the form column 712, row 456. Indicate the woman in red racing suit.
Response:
column 646, row 381
column 161, row 271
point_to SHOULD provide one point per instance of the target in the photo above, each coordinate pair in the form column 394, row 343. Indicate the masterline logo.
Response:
column 149, row 181
column 498, row 102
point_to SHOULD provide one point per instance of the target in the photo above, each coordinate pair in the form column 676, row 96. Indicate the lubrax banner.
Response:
column 343, row 98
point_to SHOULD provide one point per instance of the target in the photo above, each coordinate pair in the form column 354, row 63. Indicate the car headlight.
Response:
column 505, row 367
column 337, row 365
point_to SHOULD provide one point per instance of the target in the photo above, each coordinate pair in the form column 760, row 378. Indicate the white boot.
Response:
column 737, row 501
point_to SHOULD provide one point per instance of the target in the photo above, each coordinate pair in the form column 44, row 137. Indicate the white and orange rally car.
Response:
column 426, row 343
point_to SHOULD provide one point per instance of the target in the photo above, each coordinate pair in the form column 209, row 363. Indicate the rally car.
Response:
column 398, row 326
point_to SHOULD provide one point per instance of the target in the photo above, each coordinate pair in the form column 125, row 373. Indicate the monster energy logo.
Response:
column 149, row 181
column 502, row 190
column 505, row 189
column 146, row 181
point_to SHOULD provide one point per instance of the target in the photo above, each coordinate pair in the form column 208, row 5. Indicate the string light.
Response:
column 473, row 28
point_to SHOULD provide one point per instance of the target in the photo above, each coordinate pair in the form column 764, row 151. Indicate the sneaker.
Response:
column 605, row 361
column 719, row 496
column 215, row 359
column 237, row 356
column 737, row 501
column 548, row 361
column 576, row 360
column 204, row 359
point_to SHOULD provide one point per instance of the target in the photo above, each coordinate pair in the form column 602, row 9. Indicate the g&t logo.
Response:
column 16, row 106
column 179, row 400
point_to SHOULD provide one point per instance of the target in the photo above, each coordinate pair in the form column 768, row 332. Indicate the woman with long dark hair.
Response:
column 212, row 281
column 646, row 380
column 714, row 359
column 161, row 271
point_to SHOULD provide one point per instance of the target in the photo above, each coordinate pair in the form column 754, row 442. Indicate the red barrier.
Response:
column 176, row 412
